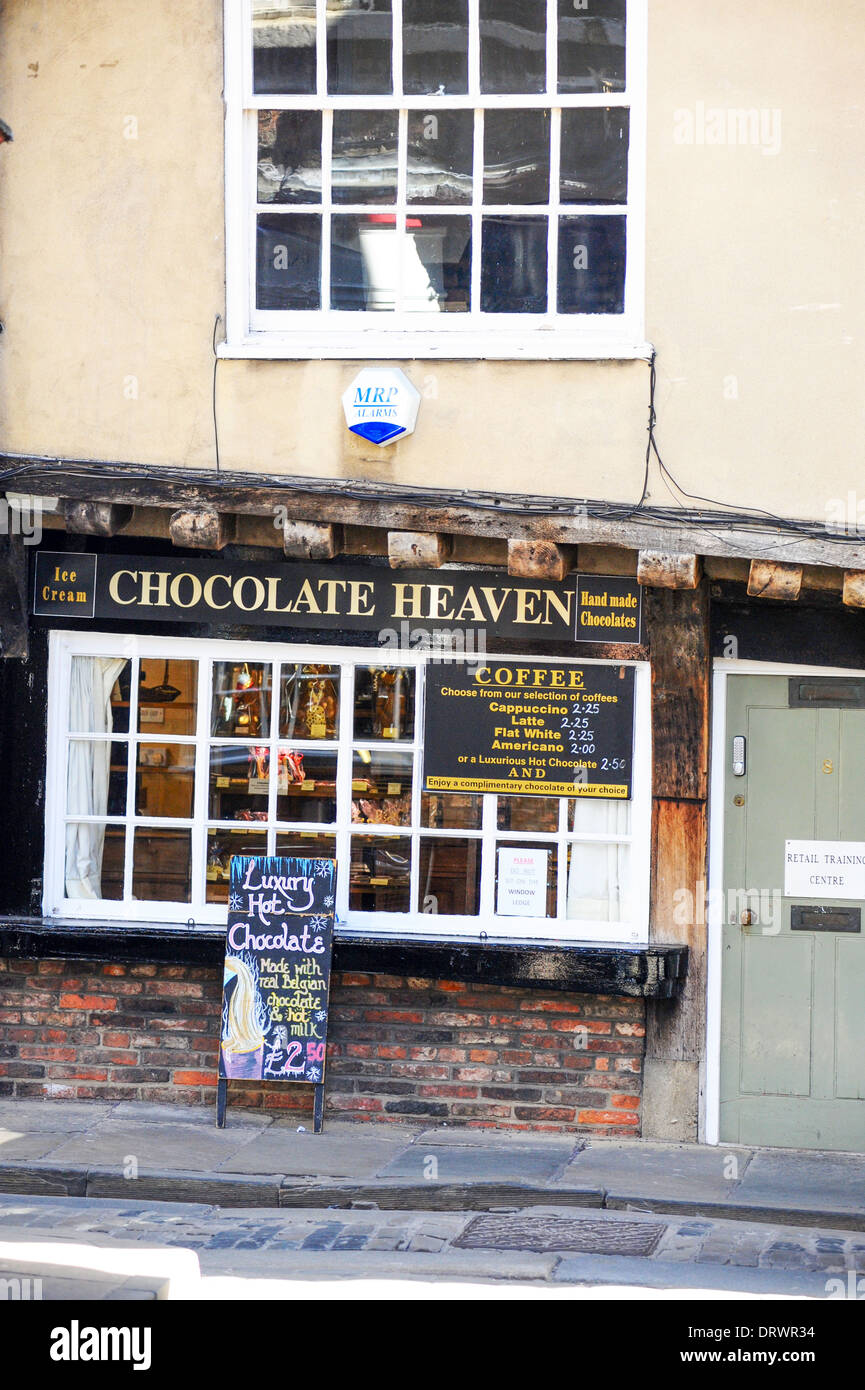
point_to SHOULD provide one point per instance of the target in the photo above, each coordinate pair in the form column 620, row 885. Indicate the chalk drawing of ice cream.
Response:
column 243, row 1019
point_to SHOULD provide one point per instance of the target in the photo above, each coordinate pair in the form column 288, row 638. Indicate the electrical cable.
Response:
column 216, row 322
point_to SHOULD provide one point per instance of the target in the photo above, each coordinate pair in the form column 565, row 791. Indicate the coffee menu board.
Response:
column 277, row 969
column 533, row 729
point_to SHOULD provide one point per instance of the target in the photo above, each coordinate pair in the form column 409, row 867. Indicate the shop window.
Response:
column 166, row 758
column 464, row 173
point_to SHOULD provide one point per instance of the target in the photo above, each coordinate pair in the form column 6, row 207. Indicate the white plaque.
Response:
column 522, row 885
column 824, row 869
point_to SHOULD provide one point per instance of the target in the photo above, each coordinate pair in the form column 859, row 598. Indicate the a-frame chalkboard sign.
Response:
column 277, row 974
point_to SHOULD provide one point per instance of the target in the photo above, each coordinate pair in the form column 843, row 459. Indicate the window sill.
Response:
column 541, row 345
column 654, row 971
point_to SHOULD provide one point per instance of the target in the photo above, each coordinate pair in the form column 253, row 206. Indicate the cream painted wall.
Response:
column 111, row 275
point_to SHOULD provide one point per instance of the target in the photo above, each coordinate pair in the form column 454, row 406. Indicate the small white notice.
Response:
column 824, row 869
column 522, row 886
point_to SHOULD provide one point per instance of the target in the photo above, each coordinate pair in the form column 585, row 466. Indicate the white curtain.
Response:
column 598, row 879
column 92, row 682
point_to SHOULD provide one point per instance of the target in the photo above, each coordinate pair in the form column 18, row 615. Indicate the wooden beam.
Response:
column 853, row 592
column 417, row 550
column 13, row 600
column 96, row 518
column 201, row 529
column 660, row 569
column 541, row 559
column 769, row 579
column 311, row 540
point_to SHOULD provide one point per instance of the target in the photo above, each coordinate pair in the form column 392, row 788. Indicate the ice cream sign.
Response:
column 824, row 869
column 381, row 405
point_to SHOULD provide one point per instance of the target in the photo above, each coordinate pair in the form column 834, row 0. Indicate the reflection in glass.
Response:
column 450, row 876
column 435, row 46
column 592, row 265
column 164, row 779
column 536, row 813
column 94, row 861
column 363, row 259
column 440, row 153
column 592, row 46
column 289, row 156
column 288, row 261
column 162, row 865
column 384, row 702
column 380, row 873
column 514, row 265
column 359, row 40
column 96, row 778
column 305, row 844
column 434, row 258
column 381, row 782
column 306, row 789
column 451, row 810
column 516, row 156
column 167, row 696
column 513, row 45
column 364, row 156
column 283, row 46
column 437, row 264
column 309, row 702
column 241, row 700
column 239, row 782
column 221, row 845
column 532, row 907
column 594, row 161
column 599, row 882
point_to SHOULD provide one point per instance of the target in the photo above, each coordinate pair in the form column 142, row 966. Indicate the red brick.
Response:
column 606, row 1117
column 621, row 1102
column 114, row 970
column 194, row 1078
column 86, row 1001
column 110, row 1039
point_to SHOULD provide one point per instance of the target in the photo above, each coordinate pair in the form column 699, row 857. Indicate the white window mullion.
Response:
column 477, row 219
column 400, row 233
column 321, row 47
column 553, row 214
column 326, row 204
column 131, row 779
column 488, row 861
column 343, row 789
column 396, row 6
column 201, row 792
column 474, row 48
column 273, row 744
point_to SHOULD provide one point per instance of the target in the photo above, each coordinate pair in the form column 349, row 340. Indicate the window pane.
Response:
column 94, row 861
column 450, row 876
column 435, row 46
column 381, row 782
column 536, row 813
column 592, row 265
column 594, row 166
column 221, row 845
column 288, row 262
column 283, row 46
column 165, row 779
column 452, row 810
column 306, row 789
column 364, row 156
column 592, row 46
column 162, row 865
column 380, row 873
column 384, row 702
column 363, row 258
column 289, row 156
column 513, row 45
column 516, row 156
column 359, row 38
column 241, row 700
column 514, row 265
column 440, row 152
column 99, row 695
column 167, row 696
column 592, row 815
column 239, row 782
column 96, row 778
column 526, row 883
column 599, row 882
column 437, row 265
column 309, row 702
column 303, row 844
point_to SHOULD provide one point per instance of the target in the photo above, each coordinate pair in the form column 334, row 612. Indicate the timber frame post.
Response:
column 678, row 634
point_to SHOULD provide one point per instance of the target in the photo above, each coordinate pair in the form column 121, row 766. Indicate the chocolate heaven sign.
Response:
column 277, row 969
column 93, row 588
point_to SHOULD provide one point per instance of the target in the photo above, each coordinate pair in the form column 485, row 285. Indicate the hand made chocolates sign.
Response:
column 277, row 969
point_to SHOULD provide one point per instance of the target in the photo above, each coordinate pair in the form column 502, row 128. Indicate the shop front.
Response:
column 476, row 761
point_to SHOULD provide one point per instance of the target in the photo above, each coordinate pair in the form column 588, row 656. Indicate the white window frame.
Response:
column 63, row 646
column 299, row 334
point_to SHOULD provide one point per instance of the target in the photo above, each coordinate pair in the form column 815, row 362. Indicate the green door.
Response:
column 793, row 984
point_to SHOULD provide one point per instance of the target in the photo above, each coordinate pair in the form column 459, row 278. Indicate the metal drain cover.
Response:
column 543, row 1233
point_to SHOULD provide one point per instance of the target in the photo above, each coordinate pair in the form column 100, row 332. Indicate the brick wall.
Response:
column 398, row 1049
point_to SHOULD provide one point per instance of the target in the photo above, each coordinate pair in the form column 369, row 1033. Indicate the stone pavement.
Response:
column 175, row 1153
